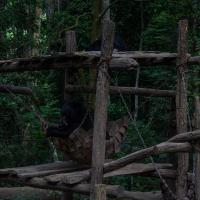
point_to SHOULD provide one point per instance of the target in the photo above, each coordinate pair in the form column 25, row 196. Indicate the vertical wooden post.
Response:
column 197, row 170
column 181, row 107
column 70, row 48
column 70, row 42
column 100, row 192
column 100, row 117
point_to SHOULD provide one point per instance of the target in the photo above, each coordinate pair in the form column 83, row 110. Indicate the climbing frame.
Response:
column 65, row 176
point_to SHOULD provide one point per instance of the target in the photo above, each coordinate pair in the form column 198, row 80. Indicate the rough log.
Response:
column 61, row 61
column 138, row 169
column 197, row 165
column 100, row 192
column 41, row 170
column 119, row 61
column 15, row 89
column 146, row 171
column 27, row 193
column 124, row 90
column 120, row 64
column 111, row 191
column 186, row 137
column 29, row 171
column 164, row 172
column 134, row 168
column 68, row 178
column 71, row 46
column 101, row 106
column 181, row 107
column 144, row 58
column 165, row 147
column 194, row 60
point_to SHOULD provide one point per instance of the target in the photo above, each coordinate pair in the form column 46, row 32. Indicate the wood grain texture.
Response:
column 130, row 60
column 101, row 104
column 100, row 192
column 70, row 49
column 131, row 169
column 197, row 170
column 181, row 106
column 166, row 147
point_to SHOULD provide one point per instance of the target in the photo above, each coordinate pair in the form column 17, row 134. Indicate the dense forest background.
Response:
column 37, row 27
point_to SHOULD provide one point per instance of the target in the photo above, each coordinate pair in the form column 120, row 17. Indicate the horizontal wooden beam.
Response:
column 194, row 60
column 125, row 162
column 175, row 144
column 123, row 90
column 166, row 147
column 15, row 89
column 186, row 137
column 138, row 169
column 53, row 172
column 111, row 190
column 122, row 164
column 62, row 61
column 131, row 169
column 120, row 61
column 42, row 170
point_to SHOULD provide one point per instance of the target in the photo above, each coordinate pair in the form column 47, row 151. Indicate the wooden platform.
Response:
column 70, row 171
column 64, row 176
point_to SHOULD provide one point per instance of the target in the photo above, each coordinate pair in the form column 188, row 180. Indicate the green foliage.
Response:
column 160, row 32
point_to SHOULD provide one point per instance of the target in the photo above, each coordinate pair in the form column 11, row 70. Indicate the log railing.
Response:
column 123, row 166
column 181, row 143
column 123, row 90
column 119, row 61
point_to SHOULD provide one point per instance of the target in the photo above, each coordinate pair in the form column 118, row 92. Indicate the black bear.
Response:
column 73, row 115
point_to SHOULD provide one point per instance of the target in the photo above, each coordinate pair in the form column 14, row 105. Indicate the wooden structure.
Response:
column 68, row 176
column 78, row 146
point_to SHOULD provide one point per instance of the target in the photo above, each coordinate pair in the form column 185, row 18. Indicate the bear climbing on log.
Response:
column 73, row 135
column 73, row 115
